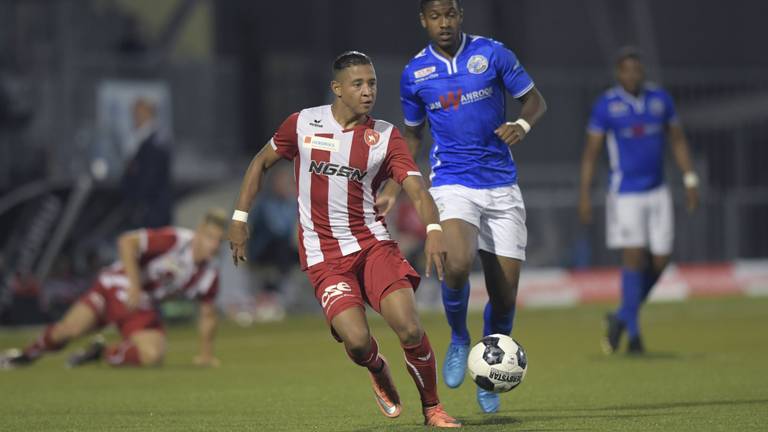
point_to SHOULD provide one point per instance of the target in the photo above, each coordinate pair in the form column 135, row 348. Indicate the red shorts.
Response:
column 366, row 276
column 106, row 302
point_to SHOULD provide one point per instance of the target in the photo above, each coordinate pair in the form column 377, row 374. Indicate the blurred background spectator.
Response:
column 146, row 181
column 273, row 245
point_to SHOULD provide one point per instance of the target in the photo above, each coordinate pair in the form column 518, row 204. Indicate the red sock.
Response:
column 123, row 354
column 44, row 343
column 420, row 362
column 372, row 360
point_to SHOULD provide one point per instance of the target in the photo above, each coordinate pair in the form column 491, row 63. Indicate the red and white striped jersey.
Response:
column 167, row 268
column 338, row 173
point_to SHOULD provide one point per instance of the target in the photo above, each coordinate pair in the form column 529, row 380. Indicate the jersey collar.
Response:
column 368, row 123
column 637, row 102
column 450, row 64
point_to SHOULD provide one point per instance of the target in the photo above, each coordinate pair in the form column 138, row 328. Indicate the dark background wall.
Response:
column 255, row 62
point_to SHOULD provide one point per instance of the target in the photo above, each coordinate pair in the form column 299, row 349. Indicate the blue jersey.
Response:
column 635, row 130
column 464, row 100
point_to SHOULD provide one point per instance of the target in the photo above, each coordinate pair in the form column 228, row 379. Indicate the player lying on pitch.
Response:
column 154, row 265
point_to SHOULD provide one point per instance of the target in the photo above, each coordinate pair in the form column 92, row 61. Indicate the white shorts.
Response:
column 498, row 213
column 642, row 219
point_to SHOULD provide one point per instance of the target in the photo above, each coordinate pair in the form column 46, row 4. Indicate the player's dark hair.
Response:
column 349, row 59
column 424, row 3
column 628, row 52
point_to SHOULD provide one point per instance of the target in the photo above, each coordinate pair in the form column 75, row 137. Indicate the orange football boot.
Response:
column 385, row 392
column 436, row 416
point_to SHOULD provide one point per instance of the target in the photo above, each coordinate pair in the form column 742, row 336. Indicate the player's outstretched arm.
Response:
column 238, row 230
column 388, row 196
column 588, row 159
column 682, row 156
column 207, row 323
column 128, row 249
column 434, row 248
column 534, row 107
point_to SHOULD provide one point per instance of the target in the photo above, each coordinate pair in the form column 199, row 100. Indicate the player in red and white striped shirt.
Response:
column 341, row 157
column 154, row 265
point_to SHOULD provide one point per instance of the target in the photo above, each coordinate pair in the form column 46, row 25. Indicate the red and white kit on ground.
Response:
column 167, row 269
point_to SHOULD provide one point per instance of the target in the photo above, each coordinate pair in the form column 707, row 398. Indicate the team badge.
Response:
column 656, row 106
column 477, row 64
column 371, row 137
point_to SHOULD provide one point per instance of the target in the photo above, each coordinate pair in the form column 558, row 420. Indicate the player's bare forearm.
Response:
column 680, row 150
column 422, row 201
column 682, row 156
column 434, row 248
column 386, row 199
column 391, row 189
column 588, row 160
column 128, row 250
column 534, row 106
column 251, row 185
column 207, row 324
column 238, row 230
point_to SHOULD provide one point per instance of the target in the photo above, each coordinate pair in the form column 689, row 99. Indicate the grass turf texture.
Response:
column 706, row 370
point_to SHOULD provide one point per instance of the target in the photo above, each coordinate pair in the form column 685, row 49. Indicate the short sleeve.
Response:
column 670, row 113
column 598, row 120
column 413, row 109
column 154, row 242
column 399, row 162
column 209, row 287
column 286, row 141
column 516, row 79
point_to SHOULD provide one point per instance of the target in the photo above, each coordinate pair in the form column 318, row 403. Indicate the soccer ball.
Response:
column 497, row 363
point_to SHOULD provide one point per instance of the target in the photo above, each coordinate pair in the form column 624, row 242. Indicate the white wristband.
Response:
column 240, row 216
column 523, row 124
column 434, row 227
column 690, row 180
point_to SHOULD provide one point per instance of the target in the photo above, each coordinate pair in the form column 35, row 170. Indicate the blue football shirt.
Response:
column 635, row 131
column 464, row 100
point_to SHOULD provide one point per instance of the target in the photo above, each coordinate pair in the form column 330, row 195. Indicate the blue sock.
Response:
column 455, row 303
column 632, row 283
column 650, row 277
column 501, row 324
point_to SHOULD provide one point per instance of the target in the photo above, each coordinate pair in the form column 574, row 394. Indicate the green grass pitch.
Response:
column 707, row 370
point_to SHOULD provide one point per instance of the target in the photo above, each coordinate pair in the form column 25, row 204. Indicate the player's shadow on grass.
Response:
column 650, row 406
column 521, row 420
column 648, row 356
column 668, row 405
column 492, row 420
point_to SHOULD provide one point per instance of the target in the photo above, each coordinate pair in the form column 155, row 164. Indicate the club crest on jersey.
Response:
column 656, row 106
column 371, row 137
column 421, row 73
column 477, row 64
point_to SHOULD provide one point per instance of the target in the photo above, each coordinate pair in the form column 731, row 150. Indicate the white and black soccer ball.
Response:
column 497, row 363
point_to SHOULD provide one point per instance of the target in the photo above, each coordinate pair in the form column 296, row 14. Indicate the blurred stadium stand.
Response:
column 234, row 69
